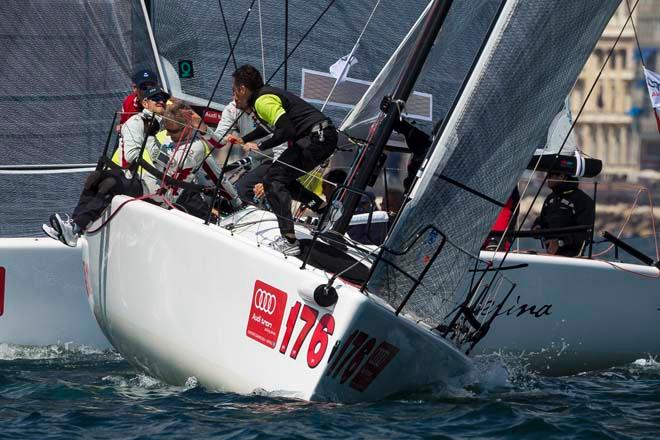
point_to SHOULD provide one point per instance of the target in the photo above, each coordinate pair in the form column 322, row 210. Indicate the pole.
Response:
column 413, row 66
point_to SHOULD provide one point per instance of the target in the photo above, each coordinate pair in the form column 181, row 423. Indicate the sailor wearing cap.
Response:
column 142, row 128
column 141, row 80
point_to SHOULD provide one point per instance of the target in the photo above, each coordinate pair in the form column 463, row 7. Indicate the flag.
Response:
column 653, row 85
column 340, row 68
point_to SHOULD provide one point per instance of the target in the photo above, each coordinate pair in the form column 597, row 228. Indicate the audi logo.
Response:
column 265, row 301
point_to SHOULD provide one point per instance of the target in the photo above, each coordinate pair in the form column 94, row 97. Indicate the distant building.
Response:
column 617, row 125
column 606, row 129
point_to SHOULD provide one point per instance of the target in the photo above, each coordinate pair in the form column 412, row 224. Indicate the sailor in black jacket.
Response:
column 310, row 134
column 566, row 206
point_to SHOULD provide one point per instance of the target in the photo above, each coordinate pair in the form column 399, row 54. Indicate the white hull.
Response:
column 594, row 315
column 43, row 299
column 180, row 299
column 577, row 314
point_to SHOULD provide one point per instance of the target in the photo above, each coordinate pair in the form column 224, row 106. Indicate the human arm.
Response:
column 133, row 135
column 269, row 109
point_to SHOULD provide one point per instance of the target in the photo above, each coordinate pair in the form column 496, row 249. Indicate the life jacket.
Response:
column 119, row 158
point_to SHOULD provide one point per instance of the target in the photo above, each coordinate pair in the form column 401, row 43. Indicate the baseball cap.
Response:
column 143, row 76
column 155, row 91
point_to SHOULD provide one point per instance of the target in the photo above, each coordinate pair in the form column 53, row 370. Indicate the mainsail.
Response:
column 66, row 68
column 527, row 67
column 193, row 31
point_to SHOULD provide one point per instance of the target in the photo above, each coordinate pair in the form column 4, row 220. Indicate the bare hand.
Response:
column 552, row 246
column 250, row 146
column 259, row 190
column 233, row 139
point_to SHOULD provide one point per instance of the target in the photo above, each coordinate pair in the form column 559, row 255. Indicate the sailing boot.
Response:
column 287, row 246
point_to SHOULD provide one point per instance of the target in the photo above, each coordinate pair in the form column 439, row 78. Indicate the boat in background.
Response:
column 42, row 295
column 569, row 315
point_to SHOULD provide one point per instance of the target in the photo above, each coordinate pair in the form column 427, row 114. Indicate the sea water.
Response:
column 67, row 392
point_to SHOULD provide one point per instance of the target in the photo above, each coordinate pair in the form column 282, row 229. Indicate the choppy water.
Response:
column 65, row 393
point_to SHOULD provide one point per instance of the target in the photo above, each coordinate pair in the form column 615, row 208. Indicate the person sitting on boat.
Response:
column 237, row 123
column 311, row 136
column 142, row 80
column 101, row 186
column 190, row 162
column 566, row 206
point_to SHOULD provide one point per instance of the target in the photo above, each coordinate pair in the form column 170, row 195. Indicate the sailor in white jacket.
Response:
column 133, row 133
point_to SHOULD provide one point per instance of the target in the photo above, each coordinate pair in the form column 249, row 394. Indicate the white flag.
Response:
column 340, row 69
column 653, row 85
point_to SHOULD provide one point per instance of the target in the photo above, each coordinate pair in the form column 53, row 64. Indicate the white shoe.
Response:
column 286, row 247
column 51, row 232
column 68, row 231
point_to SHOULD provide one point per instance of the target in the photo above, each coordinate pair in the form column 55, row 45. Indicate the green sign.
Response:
column 186, row 69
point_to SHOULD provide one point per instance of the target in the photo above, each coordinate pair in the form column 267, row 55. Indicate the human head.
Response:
column 143, row 80
column 155, row 100
column 331, row 180
column 555, row 179
column 175, row 118
column 247, row 80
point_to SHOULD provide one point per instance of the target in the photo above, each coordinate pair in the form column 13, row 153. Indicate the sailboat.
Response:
column 561, row 300
column 241, row 317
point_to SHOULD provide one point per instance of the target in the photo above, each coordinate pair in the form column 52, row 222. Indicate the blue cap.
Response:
column 143, row 76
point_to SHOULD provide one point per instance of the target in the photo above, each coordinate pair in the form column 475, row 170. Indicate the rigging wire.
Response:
column 224, row 22
column 305, row 35
column 639, row 47
column 261, row 40
column 350, row 55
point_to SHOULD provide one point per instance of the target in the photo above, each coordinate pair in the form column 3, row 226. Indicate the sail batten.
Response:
column 528, row 66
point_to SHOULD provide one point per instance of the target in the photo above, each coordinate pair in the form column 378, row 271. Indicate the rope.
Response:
column 625, row 223
column 639, row 48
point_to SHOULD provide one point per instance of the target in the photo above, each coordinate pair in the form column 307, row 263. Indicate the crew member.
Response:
column 142, row 80
column 310, row 134
column 101, row 186
column 566, row 206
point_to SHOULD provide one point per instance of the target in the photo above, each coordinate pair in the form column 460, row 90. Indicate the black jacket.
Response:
column 566, row 206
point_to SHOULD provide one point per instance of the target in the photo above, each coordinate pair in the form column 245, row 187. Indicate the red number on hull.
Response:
column 319, row 343
column 309, row 316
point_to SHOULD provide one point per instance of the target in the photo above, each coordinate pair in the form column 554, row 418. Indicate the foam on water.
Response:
column 10, row 352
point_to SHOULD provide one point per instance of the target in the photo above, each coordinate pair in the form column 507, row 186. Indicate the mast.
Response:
column 404, row 86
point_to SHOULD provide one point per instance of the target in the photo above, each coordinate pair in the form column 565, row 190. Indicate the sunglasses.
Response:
column 147, row 85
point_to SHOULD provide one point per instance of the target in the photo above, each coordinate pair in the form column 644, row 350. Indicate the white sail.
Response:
column 560, row 135
column 522, row 76
column 66, row 68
